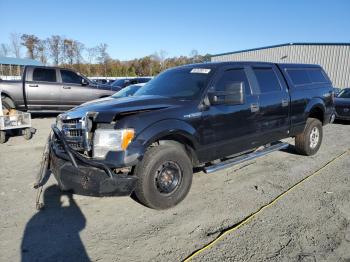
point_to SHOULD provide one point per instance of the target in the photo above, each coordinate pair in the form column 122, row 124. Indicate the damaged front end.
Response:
column 76, row 171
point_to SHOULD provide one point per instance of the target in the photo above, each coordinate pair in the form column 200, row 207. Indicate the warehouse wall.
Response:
column 335, row 59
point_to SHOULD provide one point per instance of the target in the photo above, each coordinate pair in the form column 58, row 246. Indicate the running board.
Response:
column 240, row 159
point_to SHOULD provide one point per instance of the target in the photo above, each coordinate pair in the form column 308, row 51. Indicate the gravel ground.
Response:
column 310, row 223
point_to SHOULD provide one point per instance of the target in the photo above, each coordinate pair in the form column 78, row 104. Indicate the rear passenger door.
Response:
column 42, row 89
column 274, row 104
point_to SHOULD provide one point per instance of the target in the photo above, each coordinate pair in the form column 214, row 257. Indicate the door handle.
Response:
column 254, row 108
column 33, row 85
column 285, row 102
column 66, row 87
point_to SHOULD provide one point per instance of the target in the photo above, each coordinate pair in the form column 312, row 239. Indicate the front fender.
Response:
column 168, row 127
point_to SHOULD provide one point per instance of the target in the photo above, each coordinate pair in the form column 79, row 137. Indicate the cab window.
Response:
column 70, row 77
column 267, row 79
column 44, row 75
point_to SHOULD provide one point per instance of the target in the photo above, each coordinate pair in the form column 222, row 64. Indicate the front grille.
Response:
column 73, row 131
column 343, row 110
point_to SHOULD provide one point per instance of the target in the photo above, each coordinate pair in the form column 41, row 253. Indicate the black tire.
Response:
column 157, row 163
column 3, row 137
column 307, row 143
column 27, row 134
column 7, row 103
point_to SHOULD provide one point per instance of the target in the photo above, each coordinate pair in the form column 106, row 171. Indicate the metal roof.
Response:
column 19, row 61
column 273, row 46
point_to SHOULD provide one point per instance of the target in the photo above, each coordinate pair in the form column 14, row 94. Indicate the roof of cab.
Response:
column 257, row 63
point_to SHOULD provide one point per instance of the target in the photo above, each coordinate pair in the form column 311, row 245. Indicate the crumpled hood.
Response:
column 342, row 101
column 109, row 107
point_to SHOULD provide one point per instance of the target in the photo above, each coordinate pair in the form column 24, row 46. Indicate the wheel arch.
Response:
column 180, row 132
column 6, row 95
column 316, row 109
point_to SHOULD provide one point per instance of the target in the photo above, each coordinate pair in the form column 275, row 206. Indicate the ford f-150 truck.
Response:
column 51, row 89
column 210, row 115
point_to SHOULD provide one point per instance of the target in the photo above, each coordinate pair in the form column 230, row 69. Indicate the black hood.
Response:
column 108, row 108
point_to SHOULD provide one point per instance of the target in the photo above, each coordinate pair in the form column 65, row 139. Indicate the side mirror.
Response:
column 232, row 95
column 84, row 82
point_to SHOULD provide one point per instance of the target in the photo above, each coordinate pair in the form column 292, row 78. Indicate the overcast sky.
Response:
column 137, row 28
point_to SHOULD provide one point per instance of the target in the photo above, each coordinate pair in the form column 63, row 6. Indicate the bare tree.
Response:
column 91, row 54
column 4, row 50
column 15, row 44
column 42, row 51
column 55, row 48
column 103, row 56
column 31, row 42
column 78, row 48
column 160, row 56
column 68, row 51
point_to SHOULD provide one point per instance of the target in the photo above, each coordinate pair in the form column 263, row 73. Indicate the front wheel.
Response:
column 164, row 176
column 309, row 142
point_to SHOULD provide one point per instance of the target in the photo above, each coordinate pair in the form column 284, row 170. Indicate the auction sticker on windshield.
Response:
column 200, row 71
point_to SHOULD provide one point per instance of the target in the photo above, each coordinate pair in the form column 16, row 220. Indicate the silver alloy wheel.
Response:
column 314, row 137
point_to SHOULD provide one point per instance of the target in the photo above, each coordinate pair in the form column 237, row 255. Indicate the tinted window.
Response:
column 316, row 76
column 45, row 75
column 183, row 83
column 299, row 76
column 70, row 77
column 233, row 76
column 267, row 80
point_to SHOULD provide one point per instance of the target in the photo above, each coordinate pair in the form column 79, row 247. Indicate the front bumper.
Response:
column 84, row 176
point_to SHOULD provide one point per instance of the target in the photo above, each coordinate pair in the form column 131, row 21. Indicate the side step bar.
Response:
column 240, row 159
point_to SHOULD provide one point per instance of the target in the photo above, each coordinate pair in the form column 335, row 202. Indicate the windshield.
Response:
column 344, row 93
column 182, row 82
column 127, row 91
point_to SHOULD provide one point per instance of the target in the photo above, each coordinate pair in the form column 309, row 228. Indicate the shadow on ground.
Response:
column 44, row 115
column 341, row 122
column 52, row 234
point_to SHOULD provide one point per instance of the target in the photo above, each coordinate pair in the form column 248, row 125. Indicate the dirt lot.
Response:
column 309, row 223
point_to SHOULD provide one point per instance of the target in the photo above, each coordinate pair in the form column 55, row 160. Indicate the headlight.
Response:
column 59, row 122
column 106, row 140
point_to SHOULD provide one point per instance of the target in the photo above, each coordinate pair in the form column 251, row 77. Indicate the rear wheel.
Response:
column 7, row 103
column 27, row 133
column 309, row 142
column 164, row 176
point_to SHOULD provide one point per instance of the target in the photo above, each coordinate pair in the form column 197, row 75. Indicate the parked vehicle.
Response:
column 122, row 83
column 50, row 89
column 128, row 91
column 188, row 117
column 342, row 105
column 336, row 91
column 102, row 81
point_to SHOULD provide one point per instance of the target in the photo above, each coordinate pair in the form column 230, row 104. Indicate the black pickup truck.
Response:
column 51, row 89
column 210, row 116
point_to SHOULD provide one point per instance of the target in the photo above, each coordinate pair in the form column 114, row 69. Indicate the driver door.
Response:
column 73, row 92
column 233, row 125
